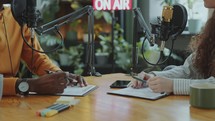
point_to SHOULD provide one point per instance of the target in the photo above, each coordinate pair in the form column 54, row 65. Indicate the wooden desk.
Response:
column 99, row 106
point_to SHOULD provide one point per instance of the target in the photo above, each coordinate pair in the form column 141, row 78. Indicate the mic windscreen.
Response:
column 18, row 8
column 179, row 19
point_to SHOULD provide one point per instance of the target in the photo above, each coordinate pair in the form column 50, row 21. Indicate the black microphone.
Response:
column 25, row 12
column 165, row 28
column 172, row 24
column 174, row 19
column 32, row 14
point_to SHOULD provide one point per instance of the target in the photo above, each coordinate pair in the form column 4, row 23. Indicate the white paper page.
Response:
column 141, row 93
column 77, row 91
column 74, row 91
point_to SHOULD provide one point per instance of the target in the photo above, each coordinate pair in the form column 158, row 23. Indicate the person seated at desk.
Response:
column 198, row 67
column 13, row 50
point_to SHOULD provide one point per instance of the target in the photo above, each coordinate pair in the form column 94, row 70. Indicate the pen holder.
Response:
column 202, row 95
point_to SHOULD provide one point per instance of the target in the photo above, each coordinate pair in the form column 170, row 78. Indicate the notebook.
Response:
column 145, row 93
column 74, row 91
column 78, row 91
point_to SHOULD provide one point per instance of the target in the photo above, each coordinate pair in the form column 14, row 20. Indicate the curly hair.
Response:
column 204, row 60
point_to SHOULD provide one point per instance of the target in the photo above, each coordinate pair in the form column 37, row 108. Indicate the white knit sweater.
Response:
column 183, row 76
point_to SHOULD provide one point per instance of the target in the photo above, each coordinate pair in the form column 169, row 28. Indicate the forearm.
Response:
column 9, row 86
column 182, row 86
column 184, row 71
column 175, row 72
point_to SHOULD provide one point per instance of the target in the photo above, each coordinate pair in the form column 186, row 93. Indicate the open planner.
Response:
column 74, row 91
column 145, row 93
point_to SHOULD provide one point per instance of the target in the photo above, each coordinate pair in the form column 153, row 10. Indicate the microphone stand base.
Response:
column 97, row 74
column 91, row 72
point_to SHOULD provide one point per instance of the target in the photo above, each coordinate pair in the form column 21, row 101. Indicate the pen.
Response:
column 48, row 71
column 139, row 79
column 144, row 81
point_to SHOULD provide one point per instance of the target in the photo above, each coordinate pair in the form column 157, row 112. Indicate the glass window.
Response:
column 198, row 11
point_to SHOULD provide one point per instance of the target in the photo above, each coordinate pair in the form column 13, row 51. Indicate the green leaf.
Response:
column 107, row 17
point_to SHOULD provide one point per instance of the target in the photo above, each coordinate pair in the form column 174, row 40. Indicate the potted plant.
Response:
column 71, row 57
column 48, row 9
column 103, row 52
column 67, row 57
column 122, row 49
column 71, row 34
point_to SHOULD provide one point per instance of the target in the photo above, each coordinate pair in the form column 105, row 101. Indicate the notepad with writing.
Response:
column 74, row 91
column 145, row 93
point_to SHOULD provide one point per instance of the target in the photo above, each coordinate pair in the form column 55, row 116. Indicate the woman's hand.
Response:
column 142, row 75
column 160, row 84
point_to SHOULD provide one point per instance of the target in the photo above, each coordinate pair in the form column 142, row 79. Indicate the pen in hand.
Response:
column 142, row 80
column 48, row 71
column 139, row 79
column 144, row 83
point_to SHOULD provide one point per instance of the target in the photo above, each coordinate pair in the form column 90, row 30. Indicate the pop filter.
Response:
column 179, row 19
column 18, row 8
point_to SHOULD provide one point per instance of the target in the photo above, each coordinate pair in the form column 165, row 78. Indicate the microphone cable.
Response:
column 161, row 54
column 55, row 49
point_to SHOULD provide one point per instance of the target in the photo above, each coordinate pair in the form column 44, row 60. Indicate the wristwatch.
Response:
column 22, row 87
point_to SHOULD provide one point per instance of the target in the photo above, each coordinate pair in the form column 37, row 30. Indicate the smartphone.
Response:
column 120, row 84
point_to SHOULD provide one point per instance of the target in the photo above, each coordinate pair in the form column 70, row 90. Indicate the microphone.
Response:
column 32, row 14
column 25, row 12
column 174, row 19
column 172, row 24
column 165, row 29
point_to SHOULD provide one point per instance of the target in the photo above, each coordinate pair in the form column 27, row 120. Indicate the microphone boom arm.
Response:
column 66, row 19
column 55, row 24
column 144, row 26
column 139, row 18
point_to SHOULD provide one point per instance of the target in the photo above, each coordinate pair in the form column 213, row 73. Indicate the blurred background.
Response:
column 114, row 55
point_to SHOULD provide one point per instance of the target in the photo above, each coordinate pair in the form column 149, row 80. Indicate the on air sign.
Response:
column 112, row 4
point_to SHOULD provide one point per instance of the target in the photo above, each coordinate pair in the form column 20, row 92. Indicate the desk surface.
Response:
column 99, row 106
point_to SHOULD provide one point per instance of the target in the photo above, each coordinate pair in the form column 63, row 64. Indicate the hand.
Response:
column 72, row 79
column 145, row 76
column 160, row 84
column 49, row 83
column 76, row 80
